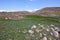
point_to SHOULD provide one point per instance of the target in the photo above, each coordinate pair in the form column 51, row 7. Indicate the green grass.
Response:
column 8, row 28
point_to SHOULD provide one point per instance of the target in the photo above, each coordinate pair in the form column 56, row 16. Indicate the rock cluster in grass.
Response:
column 35, row 32
column 40, row 31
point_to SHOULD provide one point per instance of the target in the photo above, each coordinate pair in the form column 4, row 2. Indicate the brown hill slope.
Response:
column 14, row 15
column 49, row 11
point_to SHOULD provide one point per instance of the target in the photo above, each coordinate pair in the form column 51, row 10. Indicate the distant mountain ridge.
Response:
column 47, row 11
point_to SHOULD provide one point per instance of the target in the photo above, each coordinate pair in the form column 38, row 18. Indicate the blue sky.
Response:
column 27, row 4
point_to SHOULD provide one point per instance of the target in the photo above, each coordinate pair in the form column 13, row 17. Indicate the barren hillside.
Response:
column 49, row 11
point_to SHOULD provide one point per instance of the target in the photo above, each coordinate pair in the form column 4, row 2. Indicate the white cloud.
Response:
column 18, row 10
column 8, row 10
column 30, row 0
column 2, row 10
column 32, row 10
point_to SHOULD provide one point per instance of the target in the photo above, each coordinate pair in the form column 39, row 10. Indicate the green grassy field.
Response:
column 9, row 29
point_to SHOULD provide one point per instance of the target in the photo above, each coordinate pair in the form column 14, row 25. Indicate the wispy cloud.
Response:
column 9, row 10
column 32, row 10
column 19, row 10
column 30, row 0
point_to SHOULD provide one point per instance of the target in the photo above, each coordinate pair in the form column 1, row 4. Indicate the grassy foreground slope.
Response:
column 13, row 29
